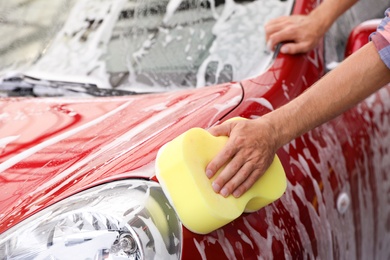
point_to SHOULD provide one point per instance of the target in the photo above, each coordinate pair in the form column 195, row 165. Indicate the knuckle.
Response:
column 245, row 174
column 235, row 166
column 253, row 178
column 238, row 141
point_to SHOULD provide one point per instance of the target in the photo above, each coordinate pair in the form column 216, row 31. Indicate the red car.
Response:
column 102, row 85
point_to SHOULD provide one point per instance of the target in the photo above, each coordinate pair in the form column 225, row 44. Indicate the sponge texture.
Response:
column 180, row 169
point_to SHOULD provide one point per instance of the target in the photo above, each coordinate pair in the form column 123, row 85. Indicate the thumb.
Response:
column 294, row 48
column 221, row 130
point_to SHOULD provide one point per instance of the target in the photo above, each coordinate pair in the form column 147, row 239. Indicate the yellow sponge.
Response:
column 180, row 169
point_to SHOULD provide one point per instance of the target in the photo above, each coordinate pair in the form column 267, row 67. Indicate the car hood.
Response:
column 53, row 148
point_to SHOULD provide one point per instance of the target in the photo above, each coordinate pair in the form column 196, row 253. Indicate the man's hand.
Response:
column 299, row 33
column 248, row 153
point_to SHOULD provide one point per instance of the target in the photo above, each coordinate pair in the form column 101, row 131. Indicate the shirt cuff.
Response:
column 382, row 46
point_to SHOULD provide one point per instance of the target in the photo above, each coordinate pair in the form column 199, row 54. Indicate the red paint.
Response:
column 48, row 164
column 360, row 35
column 343, row 155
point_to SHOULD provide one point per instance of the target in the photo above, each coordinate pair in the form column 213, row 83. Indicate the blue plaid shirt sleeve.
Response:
column 381, row 38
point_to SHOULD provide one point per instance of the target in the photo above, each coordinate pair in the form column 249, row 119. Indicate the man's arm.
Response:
column 253, row 143
column 355, row 79
column 303, row 32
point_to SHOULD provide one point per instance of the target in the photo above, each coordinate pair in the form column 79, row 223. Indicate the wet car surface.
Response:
column 84, row 114
column 137, row 46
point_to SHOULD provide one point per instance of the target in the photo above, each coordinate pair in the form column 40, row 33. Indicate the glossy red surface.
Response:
column 359, row 36
column 63, row 147
column 53, row 148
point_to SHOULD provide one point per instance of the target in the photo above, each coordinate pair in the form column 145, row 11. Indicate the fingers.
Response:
column 246, row 184
column 235, row 179
column 229, row 175
column 294, row 41
column 239, row 175
column 282, row 35
column 273, row 26
column 219, row 161
column 227, row 152
column 294, row 48
column 247, row 154
column 297, row 32
column 221, row 130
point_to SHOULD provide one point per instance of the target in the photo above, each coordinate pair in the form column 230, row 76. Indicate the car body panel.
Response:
column 64, row 147
column 359, row 35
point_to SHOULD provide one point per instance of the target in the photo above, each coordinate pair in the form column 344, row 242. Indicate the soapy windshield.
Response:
column 139, row 46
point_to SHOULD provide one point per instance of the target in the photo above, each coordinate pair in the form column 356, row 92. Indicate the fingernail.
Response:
column 284, row 49
column 224, row 192
column 209, row 173
column 216, row 187
column 236, row 194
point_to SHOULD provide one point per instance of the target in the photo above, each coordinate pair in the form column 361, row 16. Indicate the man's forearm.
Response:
column 329, row 10
column 356, row 78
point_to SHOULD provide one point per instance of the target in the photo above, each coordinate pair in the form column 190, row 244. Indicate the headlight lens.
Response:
column 129, row 219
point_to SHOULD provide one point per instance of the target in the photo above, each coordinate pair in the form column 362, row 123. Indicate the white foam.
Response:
column 7, row 140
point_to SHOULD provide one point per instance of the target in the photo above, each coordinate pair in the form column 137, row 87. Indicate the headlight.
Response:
column 129, row 219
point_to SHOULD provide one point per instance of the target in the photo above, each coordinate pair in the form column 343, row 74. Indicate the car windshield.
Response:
column 131, row 46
